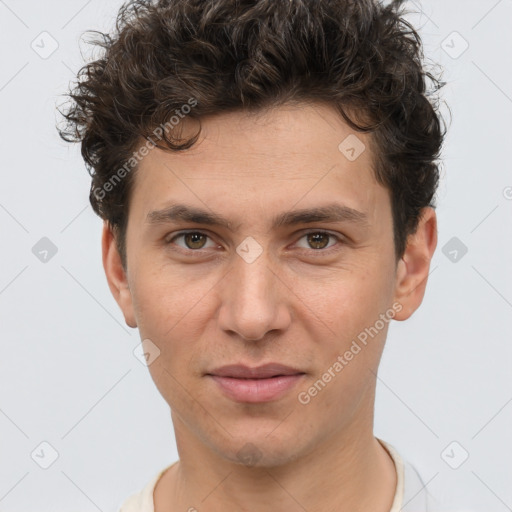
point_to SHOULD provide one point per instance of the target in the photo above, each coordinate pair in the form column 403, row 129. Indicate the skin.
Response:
column 294, row 304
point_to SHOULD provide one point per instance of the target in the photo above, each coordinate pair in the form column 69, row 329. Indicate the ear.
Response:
column 413, row 267
column 116, row 275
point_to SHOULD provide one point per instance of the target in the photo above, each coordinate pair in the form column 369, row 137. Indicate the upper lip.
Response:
column 241, row 371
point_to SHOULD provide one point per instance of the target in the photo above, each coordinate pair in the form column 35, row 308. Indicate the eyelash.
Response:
column 189, row 252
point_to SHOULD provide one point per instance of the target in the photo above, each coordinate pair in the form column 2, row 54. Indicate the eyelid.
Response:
column 186, row 232
column 339, row 238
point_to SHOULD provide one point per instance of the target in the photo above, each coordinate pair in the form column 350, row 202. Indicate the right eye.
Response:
column 194, row 241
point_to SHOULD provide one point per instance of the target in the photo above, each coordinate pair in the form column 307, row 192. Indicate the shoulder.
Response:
column 412, row 494
column 142, row 501
column 400, row 473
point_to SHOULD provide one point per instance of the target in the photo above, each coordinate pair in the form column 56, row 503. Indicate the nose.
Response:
column 254, row 299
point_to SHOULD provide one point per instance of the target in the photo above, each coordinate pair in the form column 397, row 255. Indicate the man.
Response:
column 266, row 171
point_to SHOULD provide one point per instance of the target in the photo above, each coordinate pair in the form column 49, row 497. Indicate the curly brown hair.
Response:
column 360, row 56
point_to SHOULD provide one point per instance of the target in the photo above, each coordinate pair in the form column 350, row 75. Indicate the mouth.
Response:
column 241, row 371
column 257, row 384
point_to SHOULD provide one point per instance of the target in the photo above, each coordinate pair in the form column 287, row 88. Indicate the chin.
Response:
column 261, row 451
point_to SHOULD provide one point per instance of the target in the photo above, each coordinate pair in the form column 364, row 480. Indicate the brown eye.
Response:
column 194, row 240
column 190, row 241
column 318, row 240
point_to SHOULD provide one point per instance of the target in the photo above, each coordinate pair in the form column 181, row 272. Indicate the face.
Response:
column 300, row 272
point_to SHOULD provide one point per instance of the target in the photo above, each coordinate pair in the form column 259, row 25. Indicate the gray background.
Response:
column 68, row 375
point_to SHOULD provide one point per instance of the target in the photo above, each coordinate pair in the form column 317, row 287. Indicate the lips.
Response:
column 265, row 383
column 266, row 371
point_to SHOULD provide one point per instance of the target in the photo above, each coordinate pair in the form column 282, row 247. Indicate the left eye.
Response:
column 196, row 240
column 318, row 239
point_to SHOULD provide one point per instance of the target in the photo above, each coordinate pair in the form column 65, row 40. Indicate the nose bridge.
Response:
column 251, row 304
column 253, row 277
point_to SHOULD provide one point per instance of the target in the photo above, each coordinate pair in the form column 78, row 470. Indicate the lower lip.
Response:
column 256, row 390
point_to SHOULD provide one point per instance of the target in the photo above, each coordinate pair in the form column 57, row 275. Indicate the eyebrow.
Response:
column 332, row 212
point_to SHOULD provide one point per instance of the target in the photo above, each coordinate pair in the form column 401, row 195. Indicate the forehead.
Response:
column 280, row 157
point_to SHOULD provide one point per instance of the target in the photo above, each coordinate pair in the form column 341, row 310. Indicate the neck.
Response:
column 350, row 468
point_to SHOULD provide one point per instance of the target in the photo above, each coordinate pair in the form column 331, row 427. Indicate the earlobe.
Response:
column 116, row 275
column 413, row 268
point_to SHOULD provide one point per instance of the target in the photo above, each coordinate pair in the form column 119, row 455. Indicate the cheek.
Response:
column 349, row 309
column 348, row 300
column 159, row 306
column 348, row 355
column 161, row 294
column 172, row 310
